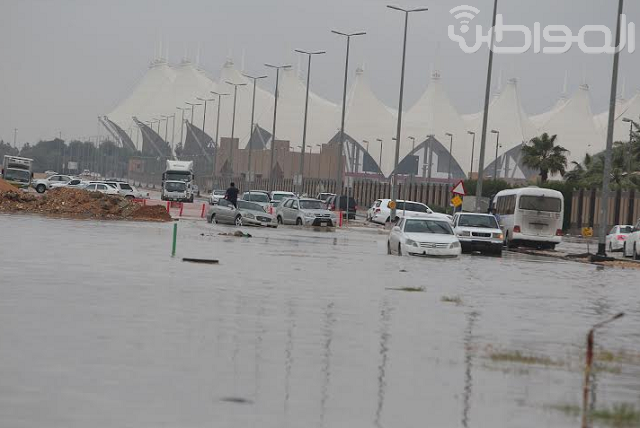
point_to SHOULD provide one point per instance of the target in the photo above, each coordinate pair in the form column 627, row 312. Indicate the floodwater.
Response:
column 100, row 327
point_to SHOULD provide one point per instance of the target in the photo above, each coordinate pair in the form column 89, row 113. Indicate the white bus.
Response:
column 530, row 216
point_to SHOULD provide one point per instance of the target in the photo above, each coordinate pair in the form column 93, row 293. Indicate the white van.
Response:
column 530, row 216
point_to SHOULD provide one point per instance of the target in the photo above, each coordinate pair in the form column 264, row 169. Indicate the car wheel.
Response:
column 298, row 221
column 610, row 248
column 238, row 220
column 636, row 256
column 399, row 249
column 40, row 188
column 388, row 220
column 280, row 220
column 388, row 247
column 128, row 197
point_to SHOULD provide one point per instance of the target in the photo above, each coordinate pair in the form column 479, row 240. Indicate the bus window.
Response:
column 540, row 203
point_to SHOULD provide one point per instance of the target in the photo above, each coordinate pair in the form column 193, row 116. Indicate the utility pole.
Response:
column 275, row 116
column 253, row 110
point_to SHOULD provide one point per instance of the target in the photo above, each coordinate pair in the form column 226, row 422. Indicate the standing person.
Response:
column 232, row 195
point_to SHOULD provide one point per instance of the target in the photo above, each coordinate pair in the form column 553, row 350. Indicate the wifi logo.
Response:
column 465, row 15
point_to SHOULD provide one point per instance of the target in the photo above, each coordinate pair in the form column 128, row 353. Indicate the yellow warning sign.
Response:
column 392, row 205
column 456, row 201
column 587, row 232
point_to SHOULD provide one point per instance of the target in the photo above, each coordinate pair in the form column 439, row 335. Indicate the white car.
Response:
column 631, row 246
column 43, row 184
column 216, row 195
column 127, row 190
column 478, row 232
column 423, row 236
column 381, row 213
column 277, row 197
column 258, row 196
column 75, row 183
column 102, row 188
column 305, row 211
column 617, row 236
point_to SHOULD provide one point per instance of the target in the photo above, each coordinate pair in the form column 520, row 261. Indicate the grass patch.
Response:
column 601, row 368
column 408, row 289
column 568, row 409
column 521, row 358
column 617, row 357
column 451, row 299
column 620, row 415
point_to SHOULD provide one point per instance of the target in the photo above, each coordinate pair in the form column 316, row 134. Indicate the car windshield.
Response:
column 256, row 197
column 311, row 205
column 245, row 205
column 173, row 186
column 125, row 186
column 626, row 229
column 427, row 226
column 281, row 196
column 219, row 192
column 468, row 220
column 20, row 175
column 540, row 203
column 411, row 206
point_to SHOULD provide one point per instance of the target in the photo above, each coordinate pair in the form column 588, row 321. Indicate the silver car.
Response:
column 305, row 211
column 247, row 214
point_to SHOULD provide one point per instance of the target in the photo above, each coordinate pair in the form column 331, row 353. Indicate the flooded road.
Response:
column 100, row 327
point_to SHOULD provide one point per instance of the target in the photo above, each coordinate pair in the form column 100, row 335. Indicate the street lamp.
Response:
column 413, row 143
column 631, row 123
column 380, row 161
column 367, row 143
column 306, row 109
column 400, row 102
column 193, row 105
column 253, row 109
column 166, row 127
column 473, row 145
column 344, row 108
column 450, row 135
column 233, row 120
column 182, row 109
column 204, row 114
column 275, row 117
column 319, row 146
column 495, row 163
column 485, row 116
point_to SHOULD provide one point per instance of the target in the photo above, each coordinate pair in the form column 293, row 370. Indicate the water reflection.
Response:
column 329, row 321
column 260, row 332
column 385, row 323
column 468, row 364
column 288, row 354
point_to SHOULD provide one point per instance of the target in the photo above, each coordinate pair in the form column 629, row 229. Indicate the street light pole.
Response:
column 253, row 109
column 306, row 109
column 275, row 117
column 495, row 163
column 193, row 105
column 485, row 116
column 473, row 146
column 15, row 137
column 344, row 108
column 450, row 135
column 319, row 146
column 233, row 122
column 380, row 161
column 400, row 103
column 606, row 175
column 182, row 109
column 631, row 122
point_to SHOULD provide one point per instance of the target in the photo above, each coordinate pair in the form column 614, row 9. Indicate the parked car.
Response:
column 75, row 183
column 258, row 196
column 350, row 213
column 43, row 184
column 617, row 236
column 324, row 196
column 216, row 195
column 478, row 232
column 277, row 197
column 631, row 246
column 127, row 190
column 102, row 188
column 304, row 211
column 381, row 213
column 247, row 213
column 424, row 236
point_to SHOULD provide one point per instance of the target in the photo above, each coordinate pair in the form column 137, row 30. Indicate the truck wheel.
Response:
column 40, row 188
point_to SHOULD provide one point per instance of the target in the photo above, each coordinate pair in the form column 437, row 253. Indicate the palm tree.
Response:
column 542, row 154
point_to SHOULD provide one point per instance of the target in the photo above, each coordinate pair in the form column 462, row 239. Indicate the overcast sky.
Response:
column 64, row 62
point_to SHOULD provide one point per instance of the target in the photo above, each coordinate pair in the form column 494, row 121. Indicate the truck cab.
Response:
column 178, row 181
column 17, row 171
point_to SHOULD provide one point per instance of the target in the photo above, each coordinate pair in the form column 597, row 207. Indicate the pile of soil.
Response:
column 6, row 187
column 78, row 203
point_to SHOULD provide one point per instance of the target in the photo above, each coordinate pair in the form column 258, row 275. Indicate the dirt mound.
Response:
column 78, row 203
column 6, row 187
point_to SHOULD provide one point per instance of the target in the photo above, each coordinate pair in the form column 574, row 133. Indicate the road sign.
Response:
column 458, row 189
column 456, row 201
column 391, row 204
column 587, row 232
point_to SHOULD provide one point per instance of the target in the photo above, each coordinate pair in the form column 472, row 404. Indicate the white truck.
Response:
column 17, row 171
column 178, row 181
